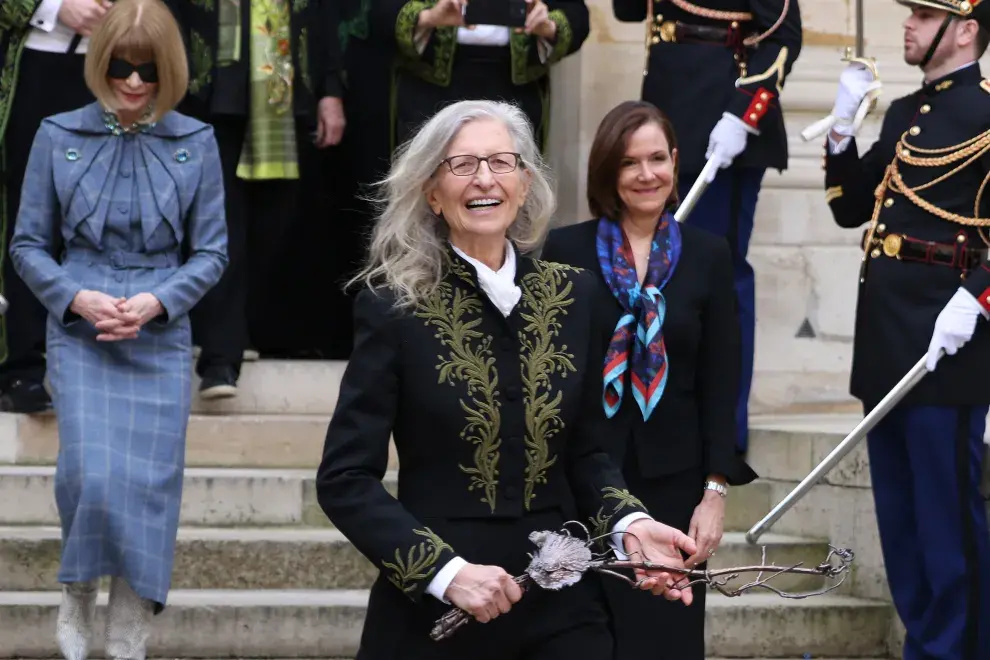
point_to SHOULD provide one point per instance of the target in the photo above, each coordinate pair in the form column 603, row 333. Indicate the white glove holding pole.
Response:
column 726, row 141
column 858, row 90
column 954, row 326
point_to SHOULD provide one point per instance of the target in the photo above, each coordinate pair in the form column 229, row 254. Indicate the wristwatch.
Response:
column 717, row 487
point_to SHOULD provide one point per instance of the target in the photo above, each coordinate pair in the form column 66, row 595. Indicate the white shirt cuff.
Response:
column 836, row 148
column 749, row 129
column 45, row 18
column 438, row 585
column 618, row 532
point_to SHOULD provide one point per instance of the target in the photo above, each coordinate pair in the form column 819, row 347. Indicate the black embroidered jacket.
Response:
column 492, row 417
column 397, row 19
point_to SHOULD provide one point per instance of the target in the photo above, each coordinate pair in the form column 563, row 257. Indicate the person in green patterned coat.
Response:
column 42, row 50
column 268, row 75
column 442, row 60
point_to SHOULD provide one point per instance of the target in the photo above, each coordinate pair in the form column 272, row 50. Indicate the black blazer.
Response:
column 694, row 424
column 487, row 415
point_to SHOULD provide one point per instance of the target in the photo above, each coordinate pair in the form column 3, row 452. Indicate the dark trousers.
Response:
column 47, row 84
column 235, row 313
column 926, row 464
column 639, row 619
column 728, row 208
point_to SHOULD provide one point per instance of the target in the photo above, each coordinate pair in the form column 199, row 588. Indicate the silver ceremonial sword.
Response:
column 910, row 379
column 687, row 204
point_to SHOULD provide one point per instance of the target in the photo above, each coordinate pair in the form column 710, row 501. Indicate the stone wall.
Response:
column 806, row 267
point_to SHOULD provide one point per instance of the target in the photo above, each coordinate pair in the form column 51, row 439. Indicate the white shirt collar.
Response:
column 499, row 286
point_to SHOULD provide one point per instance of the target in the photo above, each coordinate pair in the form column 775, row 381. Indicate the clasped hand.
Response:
column 450, row 13
column 116, row 318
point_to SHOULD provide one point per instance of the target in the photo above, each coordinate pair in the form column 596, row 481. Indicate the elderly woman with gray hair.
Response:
column 483, row 365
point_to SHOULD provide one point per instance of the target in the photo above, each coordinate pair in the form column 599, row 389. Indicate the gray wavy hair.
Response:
column 407, row 251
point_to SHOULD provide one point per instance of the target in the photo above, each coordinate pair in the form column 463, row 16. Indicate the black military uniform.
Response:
column 723, row 56
column 490, row 420
column 920, row 189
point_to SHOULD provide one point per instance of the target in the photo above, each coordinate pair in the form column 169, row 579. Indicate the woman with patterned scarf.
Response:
column 670, row 371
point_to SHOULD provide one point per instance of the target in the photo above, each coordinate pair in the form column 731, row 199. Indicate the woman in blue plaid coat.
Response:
column 120, row 232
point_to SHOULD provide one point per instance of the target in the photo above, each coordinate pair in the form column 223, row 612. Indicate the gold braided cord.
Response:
column 968, row 152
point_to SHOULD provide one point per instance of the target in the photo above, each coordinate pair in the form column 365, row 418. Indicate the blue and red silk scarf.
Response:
column 637, row 344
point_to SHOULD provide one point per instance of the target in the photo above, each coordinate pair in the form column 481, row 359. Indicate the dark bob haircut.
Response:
column 609, row 148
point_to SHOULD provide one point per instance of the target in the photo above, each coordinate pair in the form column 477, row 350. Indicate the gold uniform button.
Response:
column 875, row 253
column 961, row 238
column 753, row 116
column 925, row 109
column 888, row 202
column 881, row 228
column 905, row 153
column 914, row 130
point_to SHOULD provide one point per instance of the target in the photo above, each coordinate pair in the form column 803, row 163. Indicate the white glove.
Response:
column 954, row 326
column 855, row 83
column 726, row 141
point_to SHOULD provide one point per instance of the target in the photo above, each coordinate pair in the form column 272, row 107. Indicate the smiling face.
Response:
column 133, row 92
column 482, row 205
column 646, row 172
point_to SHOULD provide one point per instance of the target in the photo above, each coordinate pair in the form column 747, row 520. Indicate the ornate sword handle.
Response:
column 868, row 105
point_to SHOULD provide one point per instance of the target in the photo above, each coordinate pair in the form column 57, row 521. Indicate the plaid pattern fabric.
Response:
column 270, row 150
column 122, row 206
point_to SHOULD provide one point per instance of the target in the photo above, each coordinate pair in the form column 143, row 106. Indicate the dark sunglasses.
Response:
column 122, row 70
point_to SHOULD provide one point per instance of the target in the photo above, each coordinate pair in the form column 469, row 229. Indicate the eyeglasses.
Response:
column 500, row 163
column 122, row 70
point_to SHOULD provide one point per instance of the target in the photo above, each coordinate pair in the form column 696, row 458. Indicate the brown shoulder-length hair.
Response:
column 139, row 31
column 609, row 148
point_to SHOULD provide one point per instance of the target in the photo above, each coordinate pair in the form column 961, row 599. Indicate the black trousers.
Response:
column 647, row 626
column 47, row 84
column 237, row 311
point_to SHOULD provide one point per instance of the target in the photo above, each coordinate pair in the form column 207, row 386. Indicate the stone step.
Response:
column 223, row 497
column 268, row 387
column 322, row 624
column 236, row 440
column 287, row 558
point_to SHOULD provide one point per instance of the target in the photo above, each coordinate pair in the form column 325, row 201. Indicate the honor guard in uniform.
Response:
column 42, row 49
column 924, row 288
column 728, row 60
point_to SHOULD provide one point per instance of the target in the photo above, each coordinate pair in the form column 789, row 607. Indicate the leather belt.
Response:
column 675, row 32
column 906, row 248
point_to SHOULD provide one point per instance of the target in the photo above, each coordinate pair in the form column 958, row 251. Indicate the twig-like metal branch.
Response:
column 563, row 559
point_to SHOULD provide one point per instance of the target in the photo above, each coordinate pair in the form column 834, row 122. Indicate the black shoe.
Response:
column 25, row 396
column 218, row 383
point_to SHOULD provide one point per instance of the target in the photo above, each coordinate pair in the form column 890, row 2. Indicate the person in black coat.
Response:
column 671, row 398
column 481, row 363
column 924, row 294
